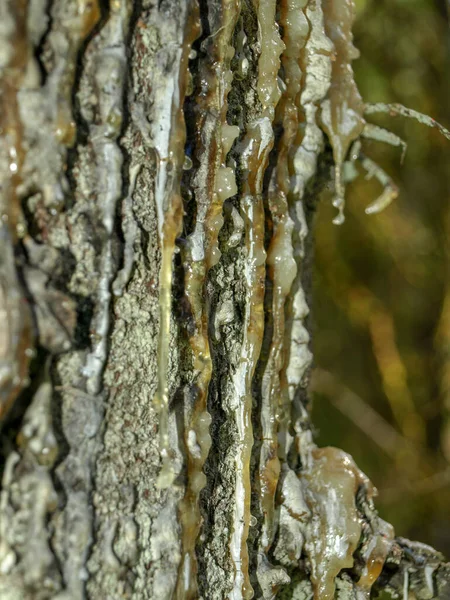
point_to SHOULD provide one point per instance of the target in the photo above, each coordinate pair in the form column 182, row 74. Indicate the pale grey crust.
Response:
column 81, row 512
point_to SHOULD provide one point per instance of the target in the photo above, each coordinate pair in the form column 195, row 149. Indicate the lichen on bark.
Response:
column 160, row 163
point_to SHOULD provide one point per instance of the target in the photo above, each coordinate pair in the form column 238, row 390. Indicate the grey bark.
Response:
column 86, row 103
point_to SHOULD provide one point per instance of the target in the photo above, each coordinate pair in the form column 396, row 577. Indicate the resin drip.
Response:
column 342, row 111
column 110, row 80
column 169, row 140
column 330, row 481
column 213, row 183
column 282, row 270
column 374, row 555
column 307, row 73
column 253, row 213
column 315, row 64
column 73, row 23
column 256, row 147
column 15, row 315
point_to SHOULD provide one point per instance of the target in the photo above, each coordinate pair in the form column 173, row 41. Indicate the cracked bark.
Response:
column 131, row 272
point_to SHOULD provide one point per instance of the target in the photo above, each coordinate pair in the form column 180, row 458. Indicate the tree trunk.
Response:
column 160, row 163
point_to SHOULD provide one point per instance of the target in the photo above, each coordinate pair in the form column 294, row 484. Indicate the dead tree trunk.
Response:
column 160, row 163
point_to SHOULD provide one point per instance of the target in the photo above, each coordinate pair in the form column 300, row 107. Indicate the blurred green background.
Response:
column 381, row 387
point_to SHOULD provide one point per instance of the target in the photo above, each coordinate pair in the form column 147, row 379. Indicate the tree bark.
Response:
column 160, row 166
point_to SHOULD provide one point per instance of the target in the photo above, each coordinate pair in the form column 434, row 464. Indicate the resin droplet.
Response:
column 331, row 481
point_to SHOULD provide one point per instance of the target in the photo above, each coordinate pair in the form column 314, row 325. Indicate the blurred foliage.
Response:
column 382, row 282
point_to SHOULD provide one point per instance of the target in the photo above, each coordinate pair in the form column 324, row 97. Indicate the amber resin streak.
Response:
column 212, row 184
column 169, row 148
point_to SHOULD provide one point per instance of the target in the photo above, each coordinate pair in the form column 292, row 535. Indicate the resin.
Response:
column 255, row 148
column 343, row 109
column 282, row 272
column 213, row 182
column 110, row 80
column 330, row 482
column 168, row 143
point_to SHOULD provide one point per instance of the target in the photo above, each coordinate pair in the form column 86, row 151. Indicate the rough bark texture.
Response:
column 160, row 163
